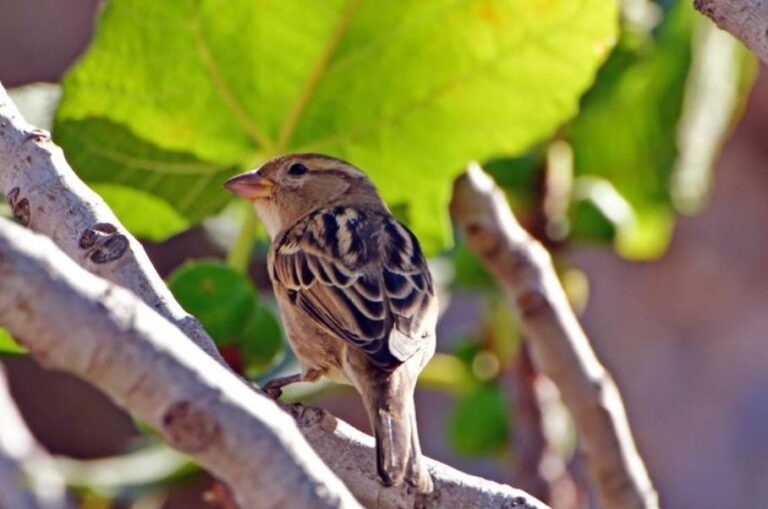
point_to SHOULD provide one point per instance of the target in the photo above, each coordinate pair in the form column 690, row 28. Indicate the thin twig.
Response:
column 559, row 346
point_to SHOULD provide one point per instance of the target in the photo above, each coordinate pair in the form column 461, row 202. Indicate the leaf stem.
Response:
column 239, row 254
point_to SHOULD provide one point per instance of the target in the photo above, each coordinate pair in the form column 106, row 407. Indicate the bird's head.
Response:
column 287, row 188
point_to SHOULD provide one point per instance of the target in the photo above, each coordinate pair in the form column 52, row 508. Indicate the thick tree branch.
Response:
column 747, row 20
column 46, row 195
column 23, row 459
column 558, row 344
column 75, row 321
column 72, row 320
column 349, row 453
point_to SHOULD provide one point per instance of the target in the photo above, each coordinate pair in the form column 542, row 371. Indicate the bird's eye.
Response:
column 297, row 169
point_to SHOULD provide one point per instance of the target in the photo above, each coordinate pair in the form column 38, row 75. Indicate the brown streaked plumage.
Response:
column 354, row 292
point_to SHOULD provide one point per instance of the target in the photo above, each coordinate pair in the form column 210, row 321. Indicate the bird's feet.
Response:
column 274, row 388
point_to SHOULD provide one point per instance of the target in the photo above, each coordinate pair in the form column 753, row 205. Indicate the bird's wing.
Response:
column 362, row 276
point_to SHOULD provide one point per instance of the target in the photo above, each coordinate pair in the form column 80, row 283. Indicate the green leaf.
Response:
column 479, row 424
column 220, row 297
column 145, row 215
column 7, row 344
column 262, row 340
column 226, row 303
column 103, row 152
column 408, row 91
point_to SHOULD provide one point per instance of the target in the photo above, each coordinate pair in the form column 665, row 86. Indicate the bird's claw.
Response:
column 273, row 390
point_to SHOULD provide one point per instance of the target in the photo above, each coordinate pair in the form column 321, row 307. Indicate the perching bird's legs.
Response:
column 274, row 388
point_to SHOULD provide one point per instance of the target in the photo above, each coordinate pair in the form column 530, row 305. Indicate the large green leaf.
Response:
column 103, row 151
column 409, row 91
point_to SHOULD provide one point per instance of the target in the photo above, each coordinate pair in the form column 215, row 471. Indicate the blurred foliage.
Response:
column 226, row 303
column 129, row 475
column 410, row 92
column 8, row 346
column 479, row 424
column 629, row 128
column 647, row 133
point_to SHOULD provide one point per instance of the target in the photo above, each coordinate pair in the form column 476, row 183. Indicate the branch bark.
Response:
column 747, row 20
column 349, row 453
column 72, row 320
column 46, row 195
column 22, row 458
column 558, row 344
column 36, row 178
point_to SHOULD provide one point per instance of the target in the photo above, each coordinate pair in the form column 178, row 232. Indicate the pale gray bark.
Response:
column 747, row 20
column 70, row 319
column 559, row 347
column 75, row 321
column 349, row 453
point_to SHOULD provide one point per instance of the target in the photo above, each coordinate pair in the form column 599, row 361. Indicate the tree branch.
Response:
column 558, row 344
column 21, row 457
column 36, row 177
column 747, row 20
column 46, row 195
column 349, row 453
column 72, row 320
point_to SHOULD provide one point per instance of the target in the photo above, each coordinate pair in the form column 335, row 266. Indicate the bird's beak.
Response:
column 250, row 186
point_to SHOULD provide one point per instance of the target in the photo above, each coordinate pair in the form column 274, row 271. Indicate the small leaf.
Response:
column 479, row 425
column 220, row 297
column 8, row 346
column 261, row 341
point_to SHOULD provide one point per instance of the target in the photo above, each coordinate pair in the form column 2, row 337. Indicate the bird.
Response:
column 354, row 292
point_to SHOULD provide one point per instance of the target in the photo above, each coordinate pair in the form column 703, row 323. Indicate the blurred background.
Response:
column 630, row 141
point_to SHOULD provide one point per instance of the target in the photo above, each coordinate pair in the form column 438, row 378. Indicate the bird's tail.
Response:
column 389, row 402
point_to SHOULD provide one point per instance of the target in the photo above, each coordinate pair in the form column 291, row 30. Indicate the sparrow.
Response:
column 354, row 292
